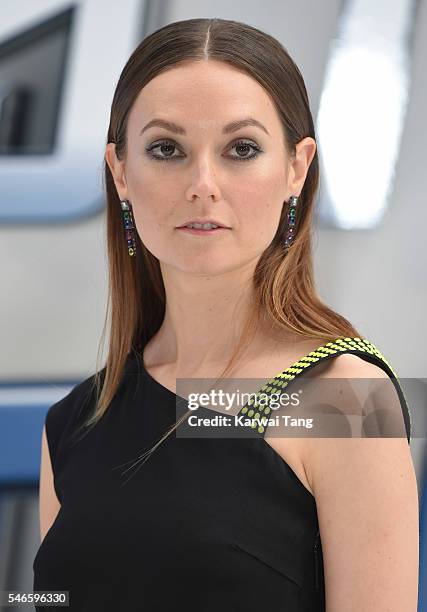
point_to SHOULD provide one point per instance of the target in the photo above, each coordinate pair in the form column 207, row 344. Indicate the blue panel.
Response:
column 23, row 411
column 20, row 442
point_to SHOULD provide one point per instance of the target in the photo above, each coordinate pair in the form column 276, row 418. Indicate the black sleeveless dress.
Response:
column 205, row 524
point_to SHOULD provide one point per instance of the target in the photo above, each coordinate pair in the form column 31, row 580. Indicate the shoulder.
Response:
column 363, row 392
column 345, row 385
column 349, row 365
column 66, row 406
column 64, row 414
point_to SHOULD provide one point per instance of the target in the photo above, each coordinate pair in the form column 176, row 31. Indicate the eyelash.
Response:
column 153, row 146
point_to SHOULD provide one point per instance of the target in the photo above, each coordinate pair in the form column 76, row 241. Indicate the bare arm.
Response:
column 48, row 502
column 367, row 502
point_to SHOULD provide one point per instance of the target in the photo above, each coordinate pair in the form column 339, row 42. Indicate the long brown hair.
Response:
column 283, row 282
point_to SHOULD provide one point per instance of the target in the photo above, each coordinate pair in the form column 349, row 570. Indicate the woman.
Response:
column 210, row 122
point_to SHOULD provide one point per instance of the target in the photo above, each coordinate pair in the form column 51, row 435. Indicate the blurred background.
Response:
column 364, row 69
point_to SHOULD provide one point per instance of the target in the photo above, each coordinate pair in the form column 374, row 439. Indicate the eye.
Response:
column 242, row 144
column 166, row 146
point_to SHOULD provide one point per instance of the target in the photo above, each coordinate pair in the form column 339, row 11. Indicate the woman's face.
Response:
column 238, row 177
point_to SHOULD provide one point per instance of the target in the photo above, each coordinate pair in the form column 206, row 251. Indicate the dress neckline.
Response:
column 158, row 384
column 287, row 373
column 358, row 346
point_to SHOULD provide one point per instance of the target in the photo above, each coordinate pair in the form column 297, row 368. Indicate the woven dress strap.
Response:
column 357, row 346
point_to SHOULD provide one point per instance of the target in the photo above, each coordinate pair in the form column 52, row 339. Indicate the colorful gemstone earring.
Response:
column 129, row 226
column 293, row 200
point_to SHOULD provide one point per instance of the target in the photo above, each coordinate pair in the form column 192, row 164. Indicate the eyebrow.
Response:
column 227, row 129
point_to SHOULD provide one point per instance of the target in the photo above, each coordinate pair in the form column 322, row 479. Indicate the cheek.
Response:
column 260, row 209
column 153, row 221
column 151, row 202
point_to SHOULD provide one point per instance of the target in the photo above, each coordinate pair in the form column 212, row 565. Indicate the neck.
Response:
column 204, row 317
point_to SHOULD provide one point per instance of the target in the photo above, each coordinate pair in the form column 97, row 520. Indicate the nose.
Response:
column 203, row 183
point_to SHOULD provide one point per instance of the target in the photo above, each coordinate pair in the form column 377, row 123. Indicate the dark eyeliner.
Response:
column 166, row 142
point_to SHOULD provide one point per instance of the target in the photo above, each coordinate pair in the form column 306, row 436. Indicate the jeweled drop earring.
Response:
column 129, row 226
column 293, row 200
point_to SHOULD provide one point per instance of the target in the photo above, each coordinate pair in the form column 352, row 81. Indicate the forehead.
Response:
column 204, row 95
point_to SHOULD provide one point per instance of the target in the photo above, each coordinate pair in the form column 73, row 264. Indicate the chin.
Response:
column 202, row 266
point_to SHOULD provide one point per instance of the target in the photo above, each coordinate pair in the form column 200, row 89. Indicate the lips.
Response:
column 200, row 226
column 201, row 231
column 202, row 222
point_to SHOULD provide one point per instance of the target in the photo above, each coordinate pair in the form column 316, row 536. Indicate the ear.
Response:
column 117, row 168
column 300, row 163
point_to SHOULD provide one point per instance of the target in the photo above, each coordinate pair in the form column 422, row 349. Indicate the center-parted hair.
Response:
column 283, row 281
